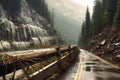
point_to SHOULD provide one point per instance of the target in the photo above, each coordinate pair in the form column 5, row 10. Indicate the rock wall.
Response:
column 21, row 27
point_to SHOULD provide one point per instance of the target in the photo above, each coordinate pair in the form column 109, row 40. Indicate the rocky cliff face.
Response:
column 21, row 27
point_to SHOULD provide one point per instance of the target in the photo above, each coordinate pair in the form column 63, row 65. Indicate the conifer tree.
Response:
column 85, row 33
column 82, row 36
column 105, row 11
column 117, row 15
column 112, row 9
column 97, row 17
column 87, row 23
column 41, row 7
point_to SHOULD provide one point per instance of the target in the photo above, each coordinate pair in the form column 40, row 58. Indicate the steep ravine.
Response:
column 21, row 27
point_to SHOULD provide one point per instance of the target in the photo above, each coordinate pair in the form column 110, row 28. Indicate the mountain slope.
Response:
column 23, row 27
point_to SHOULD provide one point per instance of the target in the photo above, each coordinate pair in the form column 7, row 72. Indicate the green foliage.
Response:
column 37, row 5
column 97, row 17
column 82, row 37
column 105, row 4
column 87, row 23
column 85, row 34
column 117, row 15
column 112, row 9
column 41, row 8
column 105, row 17
column 103, row 13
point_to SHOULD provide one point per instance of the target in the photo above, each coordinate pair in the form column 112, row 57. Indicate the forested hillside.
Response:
column 105, row 12
column 101, row 35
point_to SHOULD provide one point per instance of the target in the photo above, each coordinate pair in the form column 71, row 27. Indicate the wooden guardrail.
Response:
column 12, row 62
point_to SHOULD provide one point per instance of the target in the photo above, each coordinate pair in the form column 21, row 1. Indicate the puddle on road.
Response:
column 92, row 69
column 88, row 68
column 95, row 69
column 99, row 78
column 90, row 63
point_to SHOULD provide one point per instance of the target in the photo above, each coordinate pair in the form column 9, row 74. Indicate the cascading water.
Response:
column 22, row 28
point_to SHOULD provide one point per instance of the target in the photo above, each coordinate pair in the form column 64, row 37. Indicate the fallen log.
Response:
column 12, row 62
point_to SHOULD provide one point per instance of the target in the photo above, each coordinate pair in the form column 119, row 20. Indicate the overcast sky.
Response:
column 76, row 8
column 69, row 15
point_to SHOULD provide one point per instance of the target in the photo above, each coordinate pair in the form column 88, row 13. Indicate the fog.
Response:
column 68, row 17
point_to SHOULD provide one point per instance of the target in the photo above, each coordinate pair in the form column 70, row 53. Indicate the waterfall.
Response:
column 2, row 12
column 20, row 45
column 21, row 36
column 7, row 29
column 35, row 31
column 4, row 45
column 21, row 27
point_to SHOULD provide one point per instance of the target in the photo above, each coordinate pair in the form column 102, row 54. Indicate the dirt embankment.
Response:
column 107, row 45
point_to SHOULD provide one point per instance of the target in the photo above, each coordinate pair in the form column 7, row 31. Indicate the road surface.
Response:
column 90, row 67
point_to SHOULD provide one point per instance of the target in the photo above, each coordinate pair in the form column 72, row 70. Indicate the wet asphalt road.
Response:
column 95, row 69
column 89, row 67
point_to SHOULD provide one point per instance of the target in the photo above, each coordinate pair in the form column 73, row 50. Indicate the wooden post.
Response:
column 4, row 70
column 70, row 51
column 43, row 61
column 59, row 59
column 4, row 77
column 75, row 49
column 24, row 70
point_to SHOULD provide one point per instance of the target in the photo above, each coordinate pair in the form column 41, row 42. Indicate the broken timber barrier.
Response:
column 10, row 63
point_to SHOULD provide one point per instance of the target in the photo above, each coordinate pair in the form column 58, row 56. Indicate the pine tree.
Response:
column 97, row 17
column 82, row 36
column 87, row 22
column 41, row 7
column 85, row 33
column 112, row 9
column 105, row 11
column 105, row 4
column 117, row 15
column 105, row 16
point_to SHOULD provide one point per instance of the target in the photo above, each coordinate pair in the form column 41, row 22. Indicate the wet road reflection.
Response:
column 95, row 69
column 90, row 67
